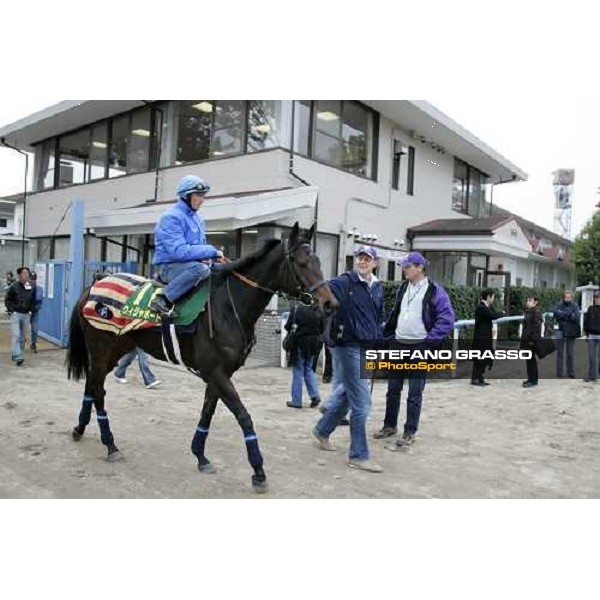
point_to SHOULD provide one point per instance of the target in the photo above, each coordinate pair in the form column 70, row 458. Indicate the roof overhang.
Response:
column 432, row 126
column 492, row 245
column 61, row 117
column 283, row 207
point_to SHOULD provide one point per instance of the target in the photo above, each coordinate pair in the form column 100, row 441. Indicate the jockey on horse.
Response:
column 182, row 255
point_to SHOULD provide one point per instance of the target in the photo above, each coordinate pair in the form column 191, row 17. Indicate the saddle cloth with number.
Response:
column 120, row 303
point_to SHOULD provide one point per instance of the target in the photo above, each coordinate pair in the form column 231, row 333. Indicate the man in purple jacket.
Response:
column 421, row 318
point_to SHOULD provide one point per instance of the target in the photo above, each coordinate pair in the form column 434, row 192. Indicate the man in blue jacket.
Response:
column 182, row 255
column 421, row 318
column 359, row 317
column 568, row 316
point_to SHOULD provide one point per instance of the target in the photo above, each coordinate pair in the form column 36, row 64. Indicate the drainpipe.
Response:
column 4, row 143
column 159, row 147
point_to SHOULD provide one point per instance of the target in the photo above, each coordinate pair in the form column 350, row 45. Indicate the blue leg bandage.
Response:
column 254, row 456
column 105, row 434
column 199, row 441
column 86, row 411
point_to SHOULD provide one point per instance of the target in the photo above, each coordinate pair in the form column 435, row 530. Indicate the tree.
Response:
column 585, row 252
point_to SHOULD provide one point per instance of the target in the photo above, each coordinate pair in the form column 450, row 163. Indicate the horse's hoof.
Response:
column 206, row 468
column 76, row 435
column 260, row 486
column 115, row 457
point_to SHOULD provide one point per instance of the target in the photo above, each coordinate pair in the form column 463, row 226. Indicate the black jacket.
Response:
column 309, row 330
column 19, row 299
column 532, row 328
column 591, row 321
column 483, row 333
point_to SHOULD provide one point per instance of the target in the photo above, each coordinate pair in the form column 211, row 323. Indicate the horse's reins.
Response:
column 253, row 284
column 300, row 297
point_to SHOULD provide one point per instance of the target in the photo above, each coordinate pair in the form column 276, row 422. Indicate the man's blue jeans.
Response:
column 413, row 402
column 593, row 351
column 560, row 345
column 303, row 371
column 349, row 391
column 416, row 385
column 19, row 324
column 182, row 277
column 142, row 357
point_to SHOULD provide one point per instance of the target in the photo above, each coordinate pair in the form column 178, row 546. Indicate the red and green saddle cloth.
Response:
column 120, row 303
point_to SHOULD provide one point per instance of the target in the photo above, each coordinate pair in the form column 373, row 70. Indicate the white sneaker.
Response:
column 365, row 465
column 121, row 379
column 154, row 384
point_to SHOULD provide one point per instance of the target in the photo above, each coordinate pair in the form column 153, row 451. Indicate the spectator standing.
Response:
column 35, row 313
column 307, row 329
column 591, row 328
column 483, row 338
column 568, row 317
column 532, row 332
column 19, row 302
column 150, row 380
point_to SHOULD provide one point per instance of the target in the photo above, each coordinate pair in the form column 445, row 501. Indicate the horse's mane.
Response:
column 247, row 261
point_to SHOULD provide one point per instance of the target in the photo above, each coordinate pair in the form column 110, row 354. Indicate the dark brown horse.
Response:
column 240, row 291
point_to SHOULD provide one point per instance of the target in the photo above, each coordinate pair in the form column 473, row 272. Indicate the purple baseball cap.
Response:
column 412, row 258
column 372, row 252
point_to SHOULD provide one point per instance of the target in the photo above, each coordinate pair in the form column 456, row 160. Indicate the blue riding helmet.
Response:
column 191, row 184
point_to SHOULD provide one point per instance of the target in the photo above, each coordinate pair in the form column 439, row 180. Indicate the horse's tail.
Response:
column 77, row 353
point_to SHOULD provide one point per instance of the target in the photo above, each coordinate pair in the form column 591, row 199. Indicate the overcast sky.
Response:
column 537, row 135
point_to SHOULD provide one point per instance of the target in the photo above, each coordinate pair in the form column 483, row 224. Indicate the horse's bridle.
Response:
column 301, row 296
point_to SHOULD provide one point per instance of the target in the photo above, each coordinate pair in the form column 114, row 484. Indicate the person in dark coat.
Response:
column 483, row 335
column 308, row 337
column 532, row 332
column 591, row 327
column 567, row 315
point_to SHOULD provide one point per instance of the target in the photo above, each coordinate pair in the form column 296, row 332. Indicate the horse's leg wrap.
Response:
column 86, row 412
column 199, row 441
column 254, row 456
column 105, row 434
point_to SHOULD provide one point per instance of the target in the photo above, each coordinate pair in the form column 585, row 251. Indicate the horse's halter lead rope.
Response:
column 310, row 291
column 301, row 296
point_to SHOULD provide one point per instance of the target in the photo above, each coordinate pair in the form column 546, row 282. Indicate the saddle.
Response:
column 120, row 303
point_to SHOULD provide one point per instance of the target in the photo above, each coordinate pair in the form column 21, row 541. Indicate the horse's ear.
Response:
column 294, row 234
column 310, row 232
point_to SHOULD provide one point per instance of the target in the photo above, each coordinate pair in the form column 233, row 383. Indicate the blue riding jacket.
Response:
column 179, row 236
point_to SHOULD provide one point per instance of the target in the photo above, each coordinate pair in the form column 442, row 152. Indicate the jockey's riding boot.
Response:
column 162, row 305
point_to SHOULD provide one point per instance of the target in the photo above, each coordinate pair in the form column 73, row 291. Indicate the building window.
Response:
column 410, row 178
column 195, row 120
column 209, row 128
column 264, row 124
column 519, row 281
column 397, row 155
column 302, row 126
column 117, row 162
column 341, row 133
column 138, row 148
column 74, row 156
column 468, row 190
column 476, row 181
column 3, row 222
column 228, row 127
column 98, row 152
column 47, row 167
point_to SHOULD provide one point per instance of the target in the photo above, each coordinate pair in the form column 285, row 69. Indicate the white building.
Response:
column 375, row 171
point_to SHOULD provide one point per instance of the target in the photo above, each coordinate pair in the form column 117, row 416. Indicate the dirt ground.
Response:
column 497, row 442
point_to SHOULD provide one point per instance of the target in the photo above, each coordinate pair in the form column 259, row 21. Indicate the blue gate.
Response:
column 54, row 277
